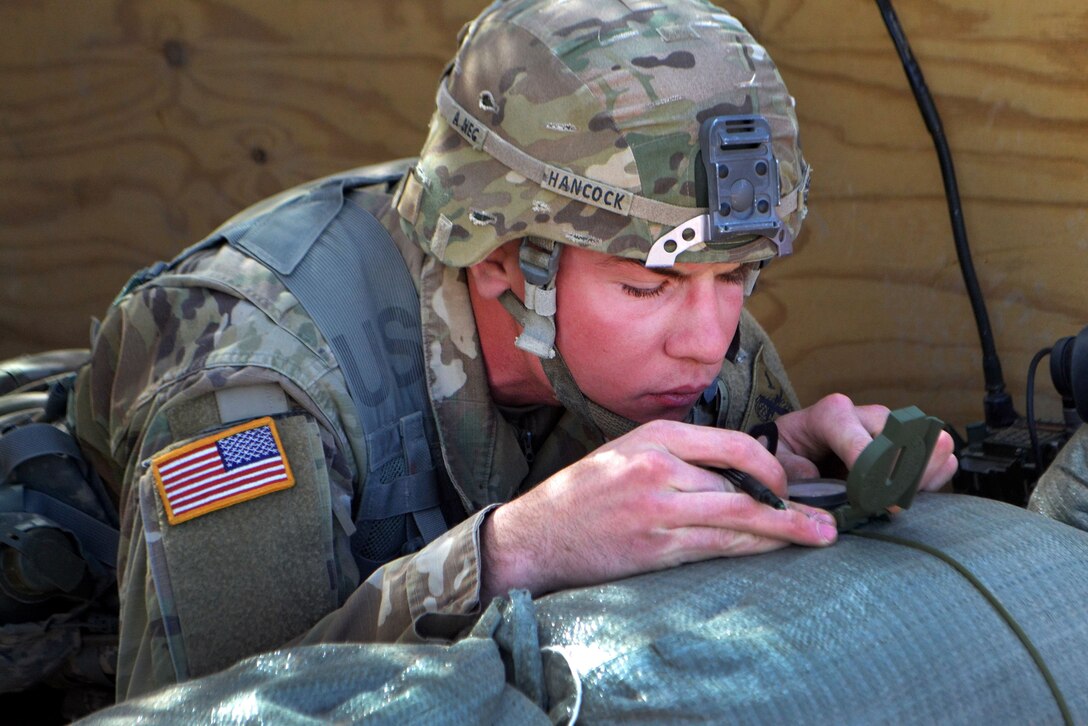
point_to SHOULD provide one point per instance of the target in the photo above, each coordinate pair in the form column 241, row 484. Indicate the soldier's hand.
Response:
column 642, row 503
column 834, row 426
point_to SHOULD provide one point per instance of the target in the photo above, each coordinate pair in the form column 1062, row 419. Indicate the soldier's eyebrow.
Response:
column 630, row 261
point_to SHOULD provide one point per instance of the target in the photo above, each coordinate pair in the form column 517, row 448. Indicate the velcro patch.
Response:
column 231, row 466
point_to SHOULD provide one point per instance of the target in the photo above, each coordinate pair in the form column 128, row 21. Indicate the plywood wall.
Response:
column 130, row 128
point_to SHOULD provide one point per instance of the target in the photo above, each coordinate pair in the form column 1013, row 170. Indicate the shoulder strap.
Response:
column 347, row 273
column 99, row 539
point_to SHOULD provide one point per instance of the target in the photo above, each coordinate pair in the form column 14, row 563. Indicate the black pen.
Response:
column 751, row 486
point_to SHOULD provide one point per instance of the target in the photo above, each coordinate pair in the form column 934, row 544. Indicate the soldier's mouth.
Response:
column 678, row 397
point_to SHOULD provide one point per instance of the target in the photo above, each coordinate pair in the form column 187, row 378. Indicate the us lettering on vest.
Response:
column 400, row 350
column 401, row 342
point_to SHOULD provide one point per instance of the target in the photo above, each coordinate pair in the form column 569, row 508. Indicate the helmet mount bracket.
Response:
column 742, row 189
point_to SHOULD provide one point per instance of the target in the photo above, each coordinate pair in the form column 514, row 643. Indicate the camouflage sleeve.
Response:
column 443, row 577
column 1062, row 491
column 199, row 595
column 169, row 621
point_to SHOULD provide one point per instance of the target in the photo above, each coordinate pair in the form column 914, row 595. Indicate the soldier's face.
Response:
column 644, row 343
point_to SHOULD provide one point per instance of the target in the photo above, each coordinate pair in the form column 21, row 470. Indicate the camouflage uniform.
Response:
column 168, row 346
column 198, row 595
column 1062, row 492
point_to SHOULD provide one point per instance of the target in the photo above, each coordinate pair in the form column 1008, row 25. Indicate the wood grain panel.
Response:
column 874, row 303
column 129, row 129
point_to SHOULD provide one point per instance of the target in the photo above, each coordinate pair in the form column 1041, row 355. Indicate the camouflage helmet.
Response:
column 580, row 121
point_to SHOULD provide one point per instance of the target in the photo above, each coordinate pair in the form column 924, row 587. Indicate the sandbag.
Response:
column 379, row 684
column 960, row 610
column 918, row 628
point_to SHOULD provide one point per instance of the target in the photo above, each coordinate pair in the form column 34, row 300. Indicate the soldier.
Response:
column 1062, row 491
column 539, row 351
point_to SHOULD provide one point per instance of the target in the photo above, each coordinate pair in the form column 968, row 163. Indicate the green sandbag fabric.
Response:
column 378, row 684
column 868, row 631
column 960, row 610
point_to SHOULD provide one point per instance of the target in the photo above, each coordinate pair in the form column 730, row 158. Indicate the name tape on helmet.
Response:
column 472, row 130
column 586, row 190
column 560, row 181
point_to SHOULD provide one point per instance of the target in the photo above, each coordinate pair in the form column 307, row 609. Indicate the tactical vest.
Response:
column 316, row 240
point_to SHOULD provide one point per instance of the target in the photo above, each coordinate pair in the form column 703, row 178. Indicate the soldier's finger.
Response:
column 741, row 513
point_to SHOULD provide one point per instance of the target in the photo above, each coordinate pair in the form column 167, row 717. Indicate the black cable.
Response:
column 1032, row 429
column 997, row 403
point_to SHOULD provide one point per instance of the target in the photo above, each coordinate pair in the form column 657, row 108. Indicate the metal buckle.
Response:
column 538, row 260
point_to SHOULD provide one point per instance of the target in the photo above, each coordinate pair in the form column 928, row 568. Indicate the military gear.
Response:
column 1069, row 372
column 314, row 240
column 945, row 614
column 1062, row 491
column 608, row 126
column 579, row 122
column 312, row 243
column 885, row 475
column 58, row 544
column 742, row 176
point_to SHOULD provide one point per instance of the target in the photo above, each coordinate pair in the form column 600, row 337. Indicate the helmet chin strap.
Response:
column 610, row 424
column 536, row 330
column 539, row 261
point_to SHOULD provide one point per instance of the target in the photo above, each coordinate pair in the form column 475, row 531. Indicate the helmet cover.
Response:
column 579, row 121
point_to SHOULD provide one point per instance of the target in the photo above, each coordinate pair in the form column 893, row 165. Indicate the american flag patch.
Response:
column 217, row 471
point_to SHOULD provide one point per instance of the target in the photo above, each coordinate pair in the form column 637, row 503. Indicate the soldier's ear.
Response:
column 498, row 272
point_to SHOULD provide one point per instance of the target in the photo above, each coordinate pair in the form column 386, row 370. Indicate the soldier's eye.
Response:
column 644, row 292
